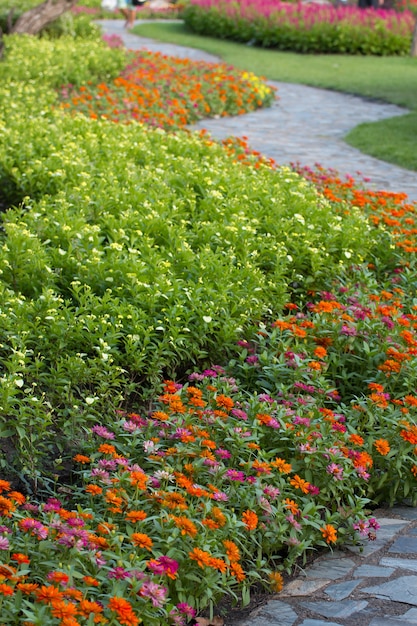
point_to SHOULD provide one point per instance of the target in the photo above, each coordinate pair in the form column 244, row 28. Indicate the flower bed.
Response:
column 170, row 92
column 306, row 28
column 132, row 255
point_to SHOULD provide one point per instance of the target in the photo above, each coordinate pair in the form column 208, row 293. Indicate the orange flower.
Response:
column 282, row 466
column 139, row 480
column 300, row 483
column 412, row 400
column 218, row 564
column 81, row 458
column 176, row 405
column 20, row 558
column 382, row 446
column 363, row 460
column 86, row 607
column 63, row 610
column 91, row 581
column 136, row 516
column 107, row 448
column 250, row 519
column 261, row 467
column 225, row 402
column 124, row 611
column 16, row 496
column 329, row 533
column 27, row 588
column 48, row 593
column 4, row 486
column 142, row 540
column 174, row 500
column 236, row 570
column 59, row 577
column 320, row 352
column 291, row 506
column 232, row 551
column 200, row 556
column 160, row 416
column 186, row 526
column 277, row 581
column 94, row 490
column 6, row 590
column 6, row 507
column 356, row 439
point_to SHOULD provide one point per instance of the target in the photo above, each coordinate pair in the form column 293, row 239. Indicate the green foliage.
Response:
column 126, row 268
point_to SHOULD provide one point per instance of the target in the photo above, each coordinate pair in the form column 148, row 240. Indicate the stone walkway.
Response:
column 305, row 124
column 377, row 585
column 373, row 587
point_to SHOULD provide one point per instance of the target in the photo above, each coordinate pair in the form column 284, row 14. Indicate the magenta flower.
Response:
column 186, row 609
column 235, row 475
column 118, row 573
column 4, row 543
column 164, row 565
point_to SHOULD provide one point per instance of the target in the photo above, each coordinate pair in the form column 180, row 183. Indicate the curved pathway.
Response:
column 305, row 124
column 377, row 584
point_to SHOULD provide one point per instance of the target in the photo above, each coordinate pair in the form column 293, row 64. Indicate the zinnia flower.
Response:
column 250, row 519
column 329, row 533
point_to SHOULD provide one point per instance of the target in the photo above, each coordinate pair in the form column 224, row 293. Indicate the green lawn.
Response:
column 391, row 79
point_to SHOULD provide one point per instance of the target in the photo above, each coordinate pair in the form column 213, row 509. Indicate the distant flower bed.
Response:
column 303, row 27
column 169, row 92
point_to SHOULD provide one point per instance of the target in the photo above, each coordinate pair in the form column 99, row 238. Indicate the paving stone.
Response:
column 342, row 590
column 405, row 545
column 373, row 571
column 406, row 512
column 303, row 587
column 403, row 589
column 275, row 613
column 344, row 608
column 317, row 622
column 389, row 620
column 331, row 568
column 389, row 561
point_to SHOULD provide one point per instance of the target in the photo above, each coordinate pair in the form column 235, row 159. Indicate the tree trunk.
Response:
column 31, row 22
column 413, row 51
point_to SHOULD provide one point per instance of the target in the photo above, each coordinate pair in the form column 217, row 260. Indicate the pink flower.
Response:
column 154, row 592
column 101, row 431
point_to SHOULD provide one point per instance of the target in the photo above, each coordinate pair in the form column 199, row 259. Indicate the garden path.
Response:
column 305, row 124
column 375, row 586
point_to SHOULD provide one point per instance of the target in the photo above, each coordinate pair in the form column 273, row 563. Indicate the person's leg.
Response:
column 131, row 17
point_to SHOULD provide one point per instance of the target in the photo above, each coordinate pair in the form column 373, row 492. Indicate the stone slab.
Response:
column 373, row 571
column 403, row 589
column 332, row 568
column 303, row 587
column 342, row 609
column 318, row 622
column 406, row 512
column 404, row 545
column 274, row 613
column 389, row 620
column 389, row 561
column 340, row 591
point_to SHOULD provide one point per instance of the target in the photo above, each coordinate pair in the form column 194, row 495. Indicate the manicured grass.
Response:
column 390, row 79
column 392, row 140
